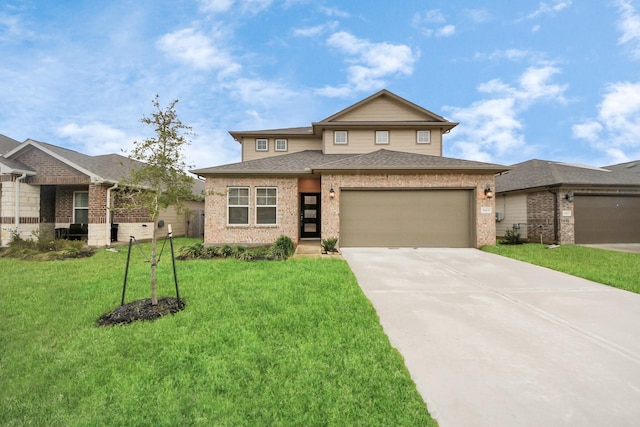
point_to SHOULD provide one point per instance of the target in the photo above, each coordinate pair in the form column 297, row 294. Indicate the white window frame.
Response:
column 75, row 207
column 266, row 144
column 281, row 141
column 266, row 205
column 340, row 141
column 382, row 137
column 238, row 205
column 423, row 132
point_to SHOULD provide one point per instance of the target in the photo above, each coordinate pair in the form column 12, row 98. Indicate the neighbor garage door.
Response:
column 607, row 219
column 406, row 218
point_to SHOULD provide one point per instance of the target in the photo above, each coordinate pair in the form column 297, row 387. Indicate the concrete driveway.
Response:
column 495, row 342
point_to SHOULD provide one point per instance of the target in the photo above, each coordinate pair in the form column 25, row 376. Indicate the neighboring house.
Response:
column 562, row 203
column 49, row 189
column 371, row 175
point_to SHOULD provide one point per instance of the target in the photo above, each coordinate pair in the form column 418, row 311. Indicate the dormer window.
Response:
column 340, row 137
column 281, row 145
column 424, row 137
column 382, row 137
column 262, row 144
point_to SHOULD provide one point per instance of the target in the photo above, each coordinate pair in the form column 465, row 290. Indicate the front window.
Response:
column 266, row 205
column 81, row 207
column 340, row 137
column 281, row 145
column 262, row 144
column 238, row 205
column 382, row 137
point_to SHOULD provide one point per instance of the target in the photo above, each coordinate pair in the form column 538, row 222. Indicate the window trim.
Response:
column 80, row 207
column 428, row 132
column 266, row 144
column 383, row 132
column 247, row 206
column 335, row 137
column 257, row 190
column 286, row 144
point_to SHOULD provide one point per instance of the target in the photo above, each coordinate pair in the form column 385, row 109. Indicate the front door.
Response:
column 310, row 215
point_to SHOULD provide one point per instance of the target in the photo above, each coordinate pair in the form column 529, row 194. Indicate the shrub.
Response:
column 511, row 237
column 225, row 251
column 282, row 248
column 329, row 244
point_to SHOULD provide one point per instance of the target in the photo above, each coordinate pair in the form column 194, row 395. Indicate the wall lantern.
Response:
column 332, row 193
column 569, row 197
column 488, row 193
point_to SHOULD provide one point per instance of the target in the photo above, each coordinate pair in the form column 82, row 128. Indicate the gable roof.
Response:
column 7, row 144
column 310, row 161
column 108, row 168
column 630, row 167
column 543, row 173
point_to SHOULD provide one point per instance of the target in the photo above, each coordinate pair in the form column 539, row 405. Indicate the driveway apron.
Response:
column 491, row 341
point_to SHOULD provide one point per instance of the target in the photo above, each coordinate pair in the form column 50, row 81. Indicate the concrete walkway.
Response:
column 495, row 342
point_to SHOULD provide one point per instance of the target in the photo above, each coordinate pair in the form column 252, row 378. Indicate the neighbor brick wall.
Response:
column 50, row 170
column 218, row 232
column 485, row 223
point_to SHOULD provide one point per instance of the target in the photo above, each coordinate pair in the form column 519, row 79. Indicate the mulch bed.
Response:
column 141, row 310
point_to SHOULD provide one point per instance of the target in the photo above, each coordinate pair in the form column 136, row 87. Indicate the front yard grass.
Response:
column 259, row 343
column 618, row 269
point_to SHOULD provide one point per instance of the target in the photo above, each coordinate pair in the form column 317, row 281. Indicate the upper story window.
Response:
column 81, row 207
column 340, row 137
column 238, row 205
column 266, row 205
column 262, row 144
column 424, row 137
column 281, row 145
column 382, row 137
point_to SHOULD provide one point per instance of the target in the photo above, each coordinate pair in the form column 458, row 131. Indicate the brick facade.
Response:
column 218, row 232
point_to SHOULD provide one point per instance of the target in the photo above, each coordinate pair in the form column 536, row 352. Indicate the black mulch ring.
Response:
column 141, row 310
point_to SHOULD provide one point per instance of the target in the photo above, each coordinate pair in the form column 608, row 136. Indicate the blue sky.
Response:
column 555, row 79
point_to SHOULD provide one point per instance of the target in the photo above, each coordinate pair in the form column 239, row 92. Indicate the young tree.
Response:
column 162, row 180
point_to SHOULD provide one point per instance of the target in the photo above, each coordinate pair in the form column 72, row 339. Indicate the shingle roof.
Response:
column 305, row 162
column 543, row 173
column 7, row 144
column 631, row 167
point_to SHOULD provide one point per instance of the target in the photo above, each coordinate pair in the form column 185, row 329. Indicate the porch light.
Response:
column 488, row 193
column 569, row 197
column 332, row 193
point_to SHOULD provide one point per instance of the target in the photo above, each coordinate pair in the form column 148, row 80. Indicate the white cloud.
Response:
column 370, row 62
column 432, row 23
column 616, row 130
column 492, row 129
column 215, row 6
column 551, row 9
column 197, row 50
column 96, row 138
column 334, row 11
column 315, row 30
column 629, row 26
column 478, row 16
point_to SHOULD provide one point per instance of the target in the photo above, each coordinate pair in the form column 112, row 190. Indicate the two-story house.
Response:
column 371, row 175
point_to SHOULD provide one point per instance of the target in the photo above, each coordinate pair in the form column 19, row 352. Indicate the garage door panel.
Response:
column 607, row 219
column 410, row 218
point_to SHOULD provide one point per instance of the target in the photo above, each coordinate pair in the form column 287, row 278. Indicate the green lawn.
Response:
column 260, row 343
column 618, row 269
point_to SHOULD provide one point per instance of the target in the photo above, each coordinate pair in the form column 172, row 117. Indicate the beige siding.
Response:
column 384, row 109
column 294, row 145
column 512, row 210
column 364, row 141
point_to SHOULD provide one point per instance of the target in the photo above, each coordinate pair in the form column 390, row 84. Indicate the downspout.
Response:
column 16, row 220
column 109, row 216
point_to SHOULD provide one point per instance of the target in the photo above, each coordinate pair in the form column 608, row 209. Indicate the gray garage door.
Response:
column 406, row 218
column 607, row 219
